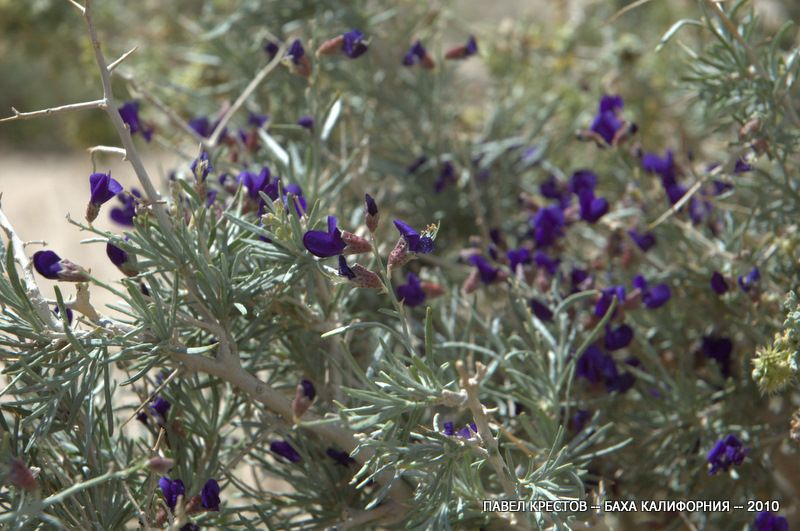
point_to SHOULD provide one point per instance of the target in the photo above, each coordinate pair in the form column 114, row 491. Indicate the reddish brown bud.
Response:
column 365, row 278
column 428, row 62
column 472, row 282
column 21, row 476
column 432, row 289
column 355, row 244
column 399, row 255
column 193, row 505
column 456, row 52
column 92, row 210
column 331, row 46
column 160, row 465
column 303, row 68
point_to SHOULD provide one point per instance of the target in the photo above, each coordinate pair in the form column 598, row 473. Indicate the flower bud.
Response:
column 355, row 244
column 21, row 476
column 124, row 261
column 52, row 266
column 472, row 282
column 372, row 216
column 160, row 465
column 331, row 46
column 303, row 398
column 399, row 256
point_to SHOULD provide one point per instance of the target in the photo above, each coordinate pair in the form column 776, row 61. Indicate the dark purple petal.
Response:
column 353, row 44
column 416, row 243
column 747, row 281
column 204, row 165
column 257, row 120
column 643, row 241
column 271, row 48
column 201, row 126
column 766, row 521
column 472, row 47
column 124, row 215
column 517, row 257
column 344, row 269
column 209, row 495
column 541, row 311
column 545, row 262
column 69, row 313
column 308, row 389
column 117, row 256
column 449, row 429
column 592, row 208
column 285, row 450
column 296, row 51
column 607, row 297
column 171, row 490
column 341, row 458
column 103, row 188
column 372, row 207
column 548, row 225
column 306, row 122
column 487, row 273
column 595, row 365
column 551, row 188
column 656, row 296
column 416, row 164
column 718, row 283
column 411, row 293
column 582, row 180
column 725, row 453
column 47, row 263
column 414, row 54
column 618, row 338
column 718, row 349
column 160, row 406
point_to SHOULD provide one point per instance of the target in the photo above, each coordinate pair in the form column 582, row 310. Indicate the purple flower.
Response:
column 257, row 120
column 643, row 241
column 171, row 489
column 551, row 188
column 372, row 207
column 517, row 257
column 296, row 51
column 449, row 429
column 308, row 389
column 652, row 296
column 581, row 181
column 446, row 176
column 102, row 188
column 545, row 262
column 718, row 349
column 578, row 277
column 698, row 209
column 720, row 187
column 766, row 521
column 209, row 495
column 595, row 365
column 344, row 269
column 48, row 264
column 607, row 297
column 124, row 262
column 191, row 526
column 540, row 310
column 129, row 112
column 300, row 204
column 257, row 182
column 160, row 407
column 341, row 457
column 592, row 208
column 201, row 166
column 472, row 47
column 467, row 431
column 411, row 293
column 747, row 281
column 741, row 166
column 415, row 54
column 69, row 313
column 664, row 167
column 285, row 450
column 306, row 122
column 416, row 243
column 353, row 44
column 548, row 225
column 725, row 453
column 324, row 244
column 618, row 338
column 488, row 274
column 124, row 215
column 607, row 122
column 271, row 48
column 417, row 164
column 718, row 283
column 201, row 126
column 463, row 51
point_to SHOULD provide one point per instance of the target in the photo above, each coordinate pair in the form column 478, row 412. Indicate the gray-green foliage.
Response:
column 228, row 293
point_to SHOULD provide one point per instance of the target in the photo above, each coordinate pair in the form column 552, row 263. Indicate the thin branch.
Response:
column 260, row 76
column 31, row 287
column 123, row 132
column 77, row 5
column 677, row 206
column 471, row 386
column 171, row 115
column 94, row 104
column 122, row 57
column 279, row 404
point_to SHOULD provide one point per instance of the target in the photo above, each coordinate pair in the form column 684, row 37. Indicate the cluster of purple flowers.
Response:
column 173, row 489
column 725, row 453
